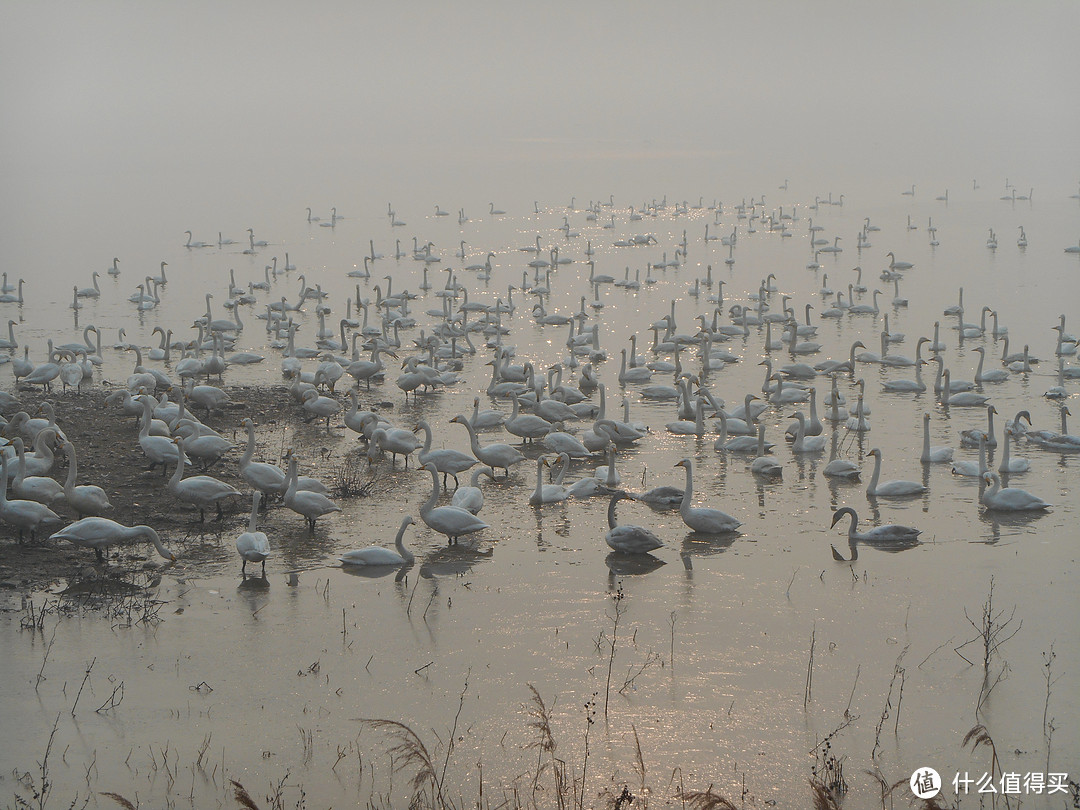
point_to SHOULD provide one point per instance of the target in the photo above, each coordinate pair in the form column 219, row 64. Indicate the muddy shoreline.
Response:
column 109, row 456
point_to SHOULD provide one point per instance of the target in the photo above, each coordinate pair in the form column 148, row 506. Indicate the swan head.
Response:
column 839, row 514
column 684, row 463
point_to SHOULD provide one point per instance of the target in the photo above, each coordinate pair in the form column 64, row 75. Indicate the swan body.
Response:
column 100, row 533
column 378, row 555
column 629, row 539
column 253, row 545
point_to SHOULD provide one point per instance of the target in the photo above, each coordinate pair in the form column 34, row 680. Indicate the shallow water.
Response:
column 276, row 674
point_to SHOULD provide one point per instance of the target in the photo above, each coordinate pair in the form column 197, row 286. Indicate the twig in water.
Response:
column 808, row 691
column 86, row 677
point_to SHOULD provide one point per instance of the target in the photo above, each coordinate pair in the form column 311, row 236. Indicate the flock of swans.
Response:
column 554, row 389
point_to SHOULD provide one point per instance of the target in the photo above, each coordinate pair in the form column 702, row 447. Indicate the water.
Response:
column 126, row 129
column 713, row 644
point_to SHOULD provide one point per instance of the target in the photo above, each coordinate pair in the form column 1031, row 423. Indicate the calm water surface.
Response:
column 718, row 632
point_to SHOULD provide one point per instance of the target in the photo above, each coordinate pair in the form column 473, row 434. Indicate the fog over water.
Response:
column 127, row 124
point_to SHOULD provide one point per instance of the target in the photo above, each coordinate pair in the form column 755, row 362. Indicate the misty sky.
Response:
column 551, row 97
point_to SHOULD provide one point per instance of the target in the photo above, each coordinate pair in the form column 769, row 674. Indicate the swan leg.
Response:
column 243, row 569
column 220, row 514
column 264, row 569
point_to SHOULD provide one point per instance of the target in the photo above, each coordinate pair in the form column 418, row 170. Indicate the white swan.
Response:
column 497, row 456
column 890, row 537
column 23, row 515
column 472, row 497
column 447, row 461
column 933, row 455
column 201, row 491
column 451, row 521
column 765, row 465
column 546, row 493
column 1009, row 464
column 629, row 539
column 253, row 545
column 1009, row 499
column 972, row 469
column 312, row 505
column 890, row 489
column 804, row 443
column 38, row 488
column 702, row 519
column 100, row 533
column 85, row 500
column 379, row 555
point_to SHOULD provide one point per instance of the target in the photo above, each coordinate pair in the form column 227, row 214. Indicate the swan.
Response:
column 85, row 500
column 379, row 555
column 765, row 465
column 452, row 521
column 895, row 265
column 312, row 505
column 397, row 441
column 268, row 479
column 447, row 461
column 190, row 244
column 100, row 533
column 972, row 469
column 738, row 444
column 494, row 211
column 1009, row 499
column 90, row 292
column 1009, row 464
column 890, row 489
column 38, row 488
column 840, row 467
column 487, row 418
column 933, row 455
column 964, row 399
column 8, row 298
column 471, row 497
column 23, row 515
column 628, row 539
column 200, row 490
column 700, row 519
column 319, row 407
column 972, row 436
column 890, row 537
column 546, row 493
column 253, row 545
column 1057, row 441
column 685, row 427
column 159, row 449
column 201, row 442
column 496, row 456
column 804, row 443
column 528, row 427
